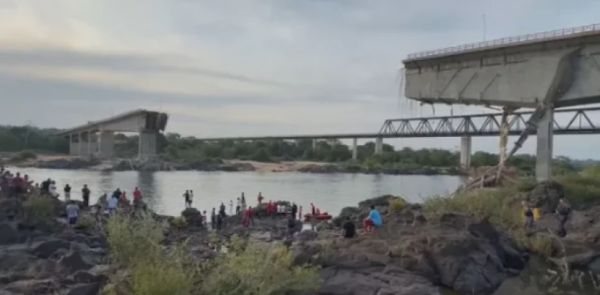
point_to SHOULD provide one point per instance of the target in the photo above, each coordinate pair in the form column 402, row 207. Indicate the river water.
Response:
column 331, row 192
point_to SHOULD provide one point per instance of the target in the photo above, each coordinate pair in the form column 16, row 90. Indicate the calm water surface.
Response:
column 331, row 192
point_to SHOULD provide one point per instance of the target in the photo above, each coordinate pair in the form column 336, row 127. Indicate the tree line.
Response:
column 174, row 147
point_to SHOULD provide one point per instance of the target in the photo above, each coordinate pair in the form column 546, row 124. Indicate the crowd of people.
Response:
column 15, row 185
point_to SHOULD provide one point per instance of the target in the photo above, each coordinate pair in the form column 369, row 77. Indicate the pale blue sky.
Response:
column 235, row 68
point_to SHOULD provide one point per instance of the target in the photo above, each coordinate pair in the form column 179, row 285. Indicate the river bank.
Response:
column 421, row 249
column 55, row 161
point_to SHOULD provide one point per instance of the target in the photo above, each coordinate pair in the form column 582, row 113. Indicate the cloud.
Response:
column 242, row 67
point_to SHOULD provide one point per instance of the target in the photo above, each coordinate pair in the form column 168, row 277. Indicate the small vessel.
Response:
column 320, row 216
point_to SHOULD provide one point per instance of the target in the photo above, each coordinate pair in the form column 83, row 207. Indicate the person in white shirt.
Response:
column 72, row 212
column 113, row 203
column 52, row 189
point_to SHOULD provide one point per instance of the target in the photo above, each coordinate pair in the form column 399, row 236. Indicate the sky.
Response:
column 248, row 68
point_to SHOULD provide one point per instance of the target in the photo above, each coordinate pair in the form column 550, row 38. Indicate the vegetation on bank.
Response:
column 189, row 150
column 502, row 206
column 148, row 267
column 19, row 138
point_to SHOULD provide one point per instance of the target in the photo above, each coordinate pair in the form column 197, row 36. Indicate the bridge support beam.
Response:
column 465, row 153
column 106, row 143
column 314, row 144
column 355, row 149
column 147, row 144
column 379, row 145
column 543, row 166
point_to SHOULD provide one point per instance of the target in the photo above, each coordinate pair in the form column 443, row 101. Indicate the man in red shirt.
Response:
column 137, row 196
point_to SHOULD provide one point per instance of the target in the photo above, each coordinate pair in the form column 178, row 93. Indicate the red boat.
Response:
column 321, row 216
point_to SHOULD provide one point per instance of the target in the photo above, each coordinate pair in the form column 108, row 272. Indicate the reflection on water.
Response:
column 331, row 192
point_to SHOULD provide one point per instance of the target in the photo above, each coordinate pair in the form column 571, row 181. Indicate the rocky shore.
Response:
column 410, row 254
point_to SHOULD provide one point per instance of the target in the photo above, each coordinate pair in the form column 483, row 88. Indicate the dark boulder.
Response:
column 47, row 248
column 8, row 234
column 545, row 195
column 73, row 262
column 87, row 277
column 373, row 282
column 85, row 289
column 192, row 216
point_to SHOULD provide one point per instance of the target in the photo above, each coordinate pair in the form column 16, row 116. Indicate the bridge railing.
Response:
column 566, row 121
column 514, row 40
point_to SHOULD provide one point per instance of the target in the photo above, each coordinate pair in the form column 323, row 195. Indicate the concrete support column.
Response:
column 106, row 143
column 314, row 144
column 355, row 149
column 147, row 144
column 465, row 152
column 378, row 145
column 89, row 143
column 543, row 166
column 73, row 146
column 80, row 147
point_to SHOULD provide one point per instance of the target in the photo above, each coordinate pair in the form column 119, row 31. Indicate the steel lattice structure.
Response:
column 566, row 121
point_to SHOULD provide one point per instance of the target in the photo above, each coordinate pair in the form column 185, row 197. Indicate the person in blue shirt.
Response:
column 374, row 220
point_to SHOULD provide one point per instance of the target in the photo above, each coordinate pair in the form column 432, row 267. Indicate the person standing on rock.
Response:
column 219, row 221
column 238, row 206
column 349, row 228
column 260, row 198
column 85, row 195
column 187, row 199
column 294, row 210
column 564, row 211
column 222, row 212
column 112, row 205
column 72, row 212
column 213, row 218
column 52, row 189
column 373, row 221
column 67, row 191
column 243, row 200
column 528, row 213
column 291, row 225
column 137, row 197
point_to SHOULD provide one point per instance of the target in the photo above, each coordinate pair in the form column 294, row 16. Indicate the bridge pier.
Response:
column 465, row 153
column 147, row 144
column 379, row 145
column 106, row 143
column 354, row 149
column 314, row 144
column 543, row 165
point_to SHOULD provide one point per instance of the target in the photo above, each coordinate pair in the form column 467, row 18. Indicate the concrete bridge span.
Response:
column 542, row 71
column 96, row 138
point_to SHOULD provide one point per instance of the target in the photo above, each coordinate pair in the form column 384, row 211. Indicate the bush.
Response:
column 501, row 206
column 178, row 222
column 582, row 190
column 23, row 156
column 135, row 245
column 396, row 204
column 127, row 236
column 85, row 223
column 40, row 211
column 259, row 269
column 164, row 275
column 261, row 156
column 541, row 243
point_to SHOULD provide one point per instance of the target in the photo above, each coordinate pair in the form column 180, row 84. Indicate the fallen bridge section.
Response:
column 96, row 138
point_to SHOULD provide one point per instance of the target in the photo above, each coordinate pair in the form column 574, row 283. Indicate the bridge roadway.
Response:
column 565, row 122
column 578, row 121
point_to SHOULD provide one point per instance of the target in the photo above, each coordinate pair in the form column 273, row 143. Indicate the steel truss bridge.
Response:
column 566, row 121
